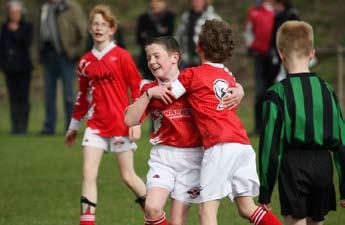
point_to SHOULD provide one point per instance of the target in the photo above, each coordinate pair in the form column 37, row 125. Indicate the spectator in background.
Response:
column 258, row 36
column 189, row 28
column 63, row 39
column 157, row 21
column 15, row 61
column 284, row 11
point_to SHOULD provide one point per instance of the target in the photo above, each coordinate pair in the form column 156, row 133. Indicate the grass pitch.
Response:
column 41, row 179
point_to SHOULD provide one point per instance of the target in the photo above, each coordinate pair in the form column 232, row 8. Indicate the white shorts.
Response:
column 228, row 169
column 108, row 144
column 176, row 170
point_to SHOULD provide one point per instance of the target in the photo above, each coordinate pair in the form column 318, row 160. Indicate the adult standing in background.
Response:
column 189, row 28
column 15, row 41
column 258, row 37
column 157, row 21
column 63, row 38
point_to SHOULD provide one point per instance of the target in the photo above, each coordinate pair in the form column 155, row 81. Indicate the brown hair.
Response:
column 106, row 13
column 295, row 37
column 169, row 43
column 215, row 39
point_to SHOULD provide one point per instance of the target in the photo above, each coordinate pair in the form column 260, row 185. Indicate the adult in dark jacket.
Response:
column 15, row 41
column 284, row 11
column 156, row 21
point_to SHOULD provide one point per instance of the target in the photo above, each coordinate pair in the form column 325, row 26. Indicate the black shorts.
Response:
column 306, row 184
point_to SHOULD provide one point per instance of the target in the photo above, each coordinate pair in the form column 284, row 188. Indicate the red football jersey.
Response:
column 104, row 79
column 174, row 124
column 206, row 86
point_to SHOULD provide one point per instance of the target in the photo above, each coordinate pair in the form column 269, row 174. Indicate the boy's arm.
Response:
column 132, row 76
column 271, row 145
column 81, row 105
column 339, row 154
column 233, row 99
column 135, row 112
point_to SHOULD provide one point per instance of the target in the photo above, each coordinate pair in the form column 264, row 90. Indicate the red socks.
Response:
column 87, row 216
column 160, row 221
column 263, row 217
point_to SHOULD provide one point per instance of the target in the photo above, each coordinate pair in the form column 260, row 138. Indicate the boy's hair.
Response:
column 106, row 13
column 216, row 41
column 169, row 43
column 295, row 37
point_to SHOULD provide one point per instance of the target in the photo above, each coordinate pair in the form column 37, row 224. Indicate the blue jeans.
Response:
column 57, row 66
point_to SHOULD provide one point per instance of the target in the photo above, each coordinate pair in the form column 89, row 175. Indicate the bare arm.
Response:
column 234, row 98
column 137, row 109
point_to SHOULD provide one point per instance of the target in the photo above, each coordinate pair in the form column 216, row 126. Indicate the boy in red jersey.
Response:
column 228, row 166
column 105, row 74
column 175, row 159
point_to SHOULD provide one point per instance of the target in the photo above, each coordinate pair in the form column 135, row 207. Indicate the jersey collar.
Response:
column 99, row 54
column 169, row 82
column 217, row 65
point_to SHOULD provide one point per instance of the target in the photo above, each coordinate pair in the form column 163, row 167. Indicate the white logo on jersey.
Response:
column 220, row 88
column 83, row 64
column 113, row 58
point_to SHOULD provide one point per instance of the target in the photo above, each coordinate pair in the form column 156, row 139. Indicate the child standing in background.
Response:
column 105, row 74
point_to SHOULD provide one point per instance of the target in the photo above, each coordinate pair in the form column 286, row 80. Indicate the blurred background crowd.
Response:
column 41, row 42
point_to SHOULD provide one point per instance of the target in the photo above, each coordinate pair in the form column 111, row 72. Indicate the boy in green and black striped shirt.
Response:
column 302, row 125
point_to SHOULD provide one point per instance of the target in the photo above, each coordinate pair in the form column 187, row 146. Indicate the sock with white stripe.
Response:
column 160, row 221
column 87, row 212
column 263, row 217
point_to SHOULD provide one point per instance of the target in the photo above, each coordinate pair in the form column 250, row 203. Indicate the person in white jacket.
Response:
column 189, row 28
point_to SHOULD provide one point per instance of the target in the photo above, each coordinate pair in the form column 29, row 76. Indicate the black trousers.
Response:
column 265, row 75
column 18, row 87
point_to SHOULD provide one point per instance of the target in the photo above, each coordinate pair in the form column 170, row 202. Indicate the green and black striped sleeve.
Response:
column 339, row 154
column 271, row 143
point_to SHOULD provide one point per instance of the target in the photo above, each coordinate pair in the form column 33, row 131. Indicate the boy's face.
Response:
column 160, row 61
column 100, row 30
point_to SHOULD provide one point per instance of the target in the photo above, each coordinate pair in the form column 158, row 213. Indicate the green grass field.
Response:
column 41, row 178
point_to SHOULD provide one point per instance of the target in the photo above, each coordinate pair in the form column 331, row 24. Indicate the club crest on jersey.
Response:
column 220, row 88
